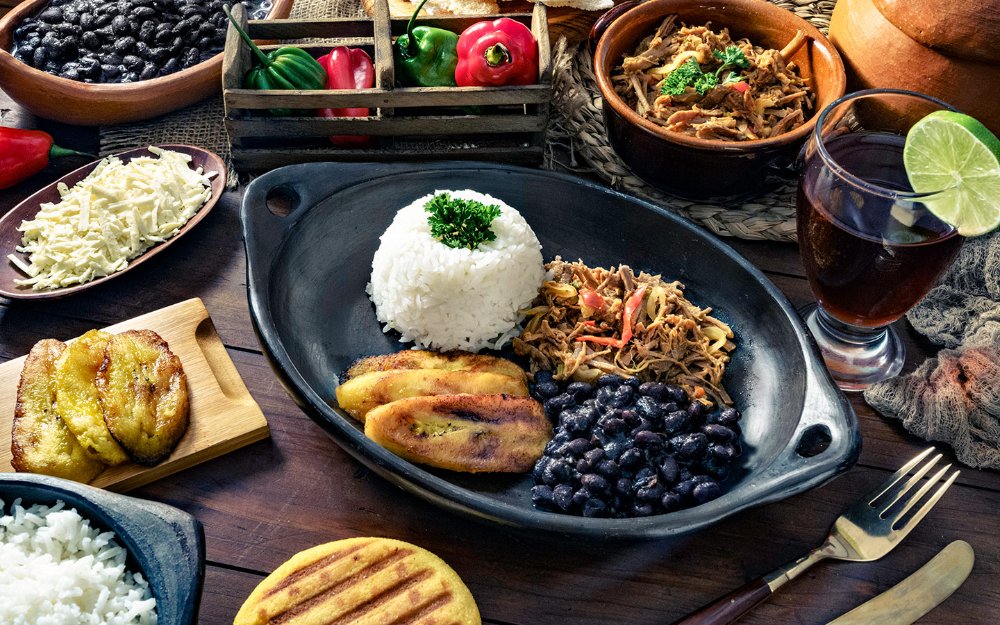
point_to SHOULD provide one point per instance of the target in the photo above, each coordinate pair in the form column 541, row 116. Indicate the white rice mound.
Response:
column 55, row 569
column 445, row 298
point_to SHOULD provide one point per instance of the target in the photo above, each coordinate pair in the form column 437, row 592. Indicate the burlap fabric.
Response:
column 955, row 397
column 576, row 137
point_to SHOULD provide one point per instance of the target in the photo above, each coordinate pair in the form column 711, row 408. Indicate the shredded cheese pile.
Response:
column 110, row 217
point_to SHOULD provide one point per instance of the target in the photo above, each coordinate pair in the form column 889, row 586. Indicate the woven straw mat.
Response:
column 576, row 135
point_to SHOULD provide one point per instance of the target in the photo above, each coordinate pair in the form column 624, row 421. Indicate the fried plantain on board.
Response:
column 359, row 395
column 40, row 440
column 77, row 398
column 423, row 359
column 143, row 391
column 469, row 433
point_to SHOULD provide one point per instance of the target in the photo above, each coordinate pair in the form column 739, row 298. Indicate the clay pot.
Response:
column 946, row 49
column 710, row 169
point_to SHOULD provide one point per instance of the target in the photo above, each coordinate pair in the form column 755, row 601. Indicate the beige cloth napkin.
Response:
column 955, row 397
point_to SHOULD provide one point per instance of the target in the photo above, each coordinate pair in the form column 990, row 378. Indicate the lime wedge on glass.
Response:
column 948, row 150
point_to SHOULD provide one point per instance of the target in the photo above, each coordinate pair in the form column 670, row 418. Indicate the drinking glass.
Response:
column 871, row 249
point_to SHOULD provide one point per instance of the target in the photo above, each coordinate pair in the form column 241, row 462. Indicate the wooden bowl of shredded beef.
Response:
column 712, row 100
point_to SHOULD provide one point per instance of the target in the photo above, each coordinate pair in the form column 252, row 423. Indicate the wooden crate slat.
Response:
column 385, row 70
column 261, row 159
column 386, row 126
column 333, row 28
column 399, row 98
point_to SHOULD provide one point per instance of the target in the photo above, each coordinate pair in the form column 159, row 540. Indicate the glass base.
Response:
column 856, row 357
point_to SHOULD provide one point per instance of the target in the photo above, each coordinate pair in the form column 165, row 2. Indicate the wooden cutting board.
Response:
column 223, row 415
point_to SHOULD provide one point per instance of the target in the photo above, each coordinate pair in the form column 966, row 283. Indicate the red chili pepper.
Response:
column 741, row 86
column 348, row 68
column 631, row 308
column 27, row 152
column 501, row 52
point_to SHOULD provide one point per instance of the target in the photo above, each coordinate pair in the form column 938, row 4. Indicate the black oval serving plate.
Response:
column 307, row 273
column 163, row 543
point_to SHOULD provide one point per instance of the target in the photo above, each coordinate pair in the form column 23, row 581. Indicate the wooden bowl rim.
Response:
column 760, row 10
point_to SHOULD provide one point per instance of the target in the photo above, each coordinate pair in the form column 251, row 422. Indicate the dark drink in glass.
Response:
column 870, row 248
column 868, row 262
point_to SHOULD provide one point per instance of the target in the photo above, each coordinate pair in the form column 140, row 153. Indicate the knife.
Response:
column 919, row 593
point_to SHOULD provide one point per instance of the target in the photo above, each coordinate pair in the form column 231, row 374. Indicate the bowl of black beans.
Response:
column 95, row 62
column 625, row 449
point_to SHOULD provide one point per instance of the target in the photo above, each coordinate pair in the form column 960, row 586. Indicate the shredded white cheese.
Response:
column 116, row 213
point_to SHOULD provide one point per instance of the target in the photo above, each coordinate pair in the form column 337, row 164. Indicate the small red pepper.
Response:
column 631, row 308
column 27, row 152
column 741, row 86
column 348, row 68
column 501, row 52
column 592, row 299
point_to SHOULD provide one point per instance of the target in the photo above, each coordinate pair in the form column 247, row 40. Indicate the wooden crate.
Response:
column 409, row 123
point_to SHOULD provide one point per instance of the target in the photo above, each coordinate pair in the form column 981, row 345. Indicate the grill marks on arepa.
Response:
column 361, row 581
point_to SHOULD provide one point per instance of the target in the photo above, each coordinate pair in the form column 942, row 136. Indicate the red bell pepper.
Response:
column 501, row 52
column 348, row 68
column 27, row 152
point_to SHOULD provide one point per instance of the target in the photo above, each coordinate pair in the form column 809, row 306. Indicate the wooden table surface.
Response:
column 265, row 502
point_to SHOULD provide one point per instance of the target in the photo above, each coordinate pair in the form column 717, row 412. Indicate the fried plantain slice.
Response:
column 361, row 581
column 359, row 395
column 469, row 433
column 76, row 397
column 144, row 394
column 40, row 440
column 423, row 359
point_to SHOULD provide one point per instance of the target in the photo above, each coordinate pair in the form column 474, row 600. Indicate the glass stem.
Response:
column 848, row 333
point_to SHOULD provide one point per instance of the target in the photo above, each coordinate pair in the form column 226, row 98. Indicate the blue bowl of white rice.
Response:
column 74, row 554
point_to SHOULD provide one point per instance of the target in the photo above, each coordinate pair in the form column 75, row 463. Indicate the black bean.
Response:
column 651, row 493
column 581, row 496
column 610, row 379
column 125, row 44
column 693, row 447
column 556, row 472
column 728, row 417
column 649, row 408
column 648, row 440
column 543, row 376
column 696, row 410
column 608, row 468
column 718, row 432
column 546, row 390
column 641, row 509
column 631, row 459
column 562, row 496
column 668, row 470
column 90, row 40
column 539, row 469
column 676, row 394
column 71, row 74
column 149, row 71
column 706, row 491
column 595, row 484
column 541, row 496
column 40, row 57
column 86, row 21
column 614, row 448
column 624, row 394
column 671, row 501
column 725, row 453
column 577, row 447
column 685, row 488
column 595, row 508
column 612, row 426
column 208, row 30
column 110, row 72
column 676, row 421
column 51, row 15
column 170, row 66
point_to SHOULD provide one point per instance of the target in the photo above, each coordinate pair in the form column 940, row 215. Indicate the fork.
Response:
column 864, row 532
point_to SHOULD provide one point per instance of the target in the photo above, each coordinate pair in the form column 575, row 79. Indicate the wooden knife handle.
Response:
column 731, row 607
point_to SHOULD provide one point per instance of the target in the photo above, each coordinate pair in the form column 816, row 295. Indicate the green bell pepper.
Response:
column 283, row 69
column 425, row 56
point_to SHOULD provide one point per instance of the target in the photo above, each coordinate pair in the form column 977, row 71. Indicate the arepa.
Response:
column 361, row 581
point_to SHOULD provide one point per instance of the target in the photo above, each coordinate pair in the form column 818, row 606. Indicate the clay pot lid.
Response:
column 965, row 29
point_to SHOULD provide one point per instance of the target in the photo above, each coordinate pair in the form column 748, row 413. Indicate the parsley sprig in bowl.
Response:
column 703, row 115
